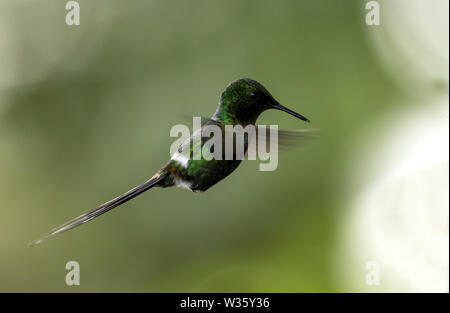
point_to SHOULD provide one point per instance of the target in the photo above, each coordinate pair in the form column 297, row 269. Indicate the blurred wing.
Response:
column 288, row 139
column 204, row 120
column 285, row 139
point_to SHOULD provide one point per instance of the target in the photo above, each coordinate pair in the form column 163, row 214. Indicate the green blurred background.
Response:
column 85, row 114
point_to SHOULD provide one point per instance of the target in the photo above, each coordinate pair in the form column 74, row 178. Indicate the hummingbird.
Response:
column 241, row 103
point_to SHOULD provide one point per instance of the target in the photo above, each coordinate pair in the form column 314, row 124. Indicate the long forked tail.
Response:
column 86, row 217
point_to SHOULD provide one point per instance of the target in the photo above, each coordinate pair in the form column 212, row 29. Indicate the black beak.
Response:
column 284, row 109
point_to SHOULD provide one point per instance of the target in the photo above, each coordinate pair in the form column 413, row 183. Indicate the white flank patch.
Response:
column 180, row 158
column 183, row 184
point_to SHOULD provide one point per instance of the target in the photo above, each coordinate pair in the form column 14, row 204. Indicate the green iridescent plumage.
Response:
column 241, row 103
column 198, row 173
column 237, row 106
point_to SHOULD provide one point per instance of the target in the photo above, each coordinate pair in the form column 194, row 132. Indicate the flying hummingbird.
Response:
column 242, row 101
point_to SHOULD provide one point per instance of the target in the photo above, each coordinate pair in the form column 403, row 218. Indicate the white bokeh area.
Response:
column 400, row 217
column 398, row 214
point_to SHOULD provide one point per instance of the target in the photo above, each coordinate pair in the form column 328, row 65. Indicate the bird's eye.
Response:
column 252, row 95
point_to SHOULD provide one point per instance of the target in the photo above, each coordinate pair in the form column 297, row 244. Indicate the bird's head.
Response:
column 243, row 100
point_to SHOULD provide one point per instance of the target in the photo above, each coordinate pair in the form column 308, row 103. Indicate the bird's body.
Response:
column 241, row 103
column 190, row 170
